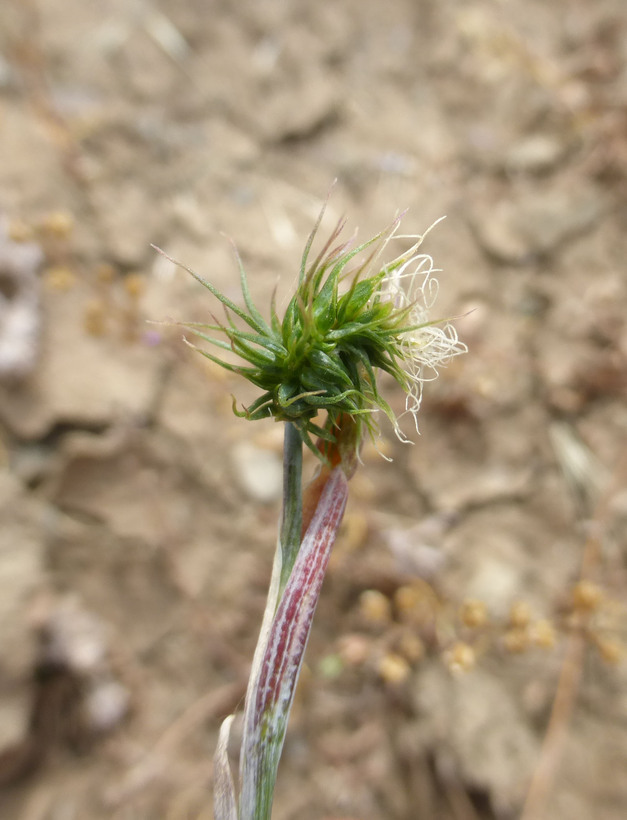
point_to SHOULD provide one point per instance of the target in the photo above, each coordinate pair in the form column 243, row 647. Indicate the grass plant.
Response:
column 351, row 317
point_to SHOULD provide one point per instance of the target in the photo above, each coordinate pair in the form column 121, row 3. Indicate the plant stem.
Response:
column 279, row 654
column 292, row 519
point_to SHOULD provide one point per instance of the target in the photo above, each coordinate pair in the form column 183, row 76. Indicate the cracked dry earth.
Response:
column 467, row 656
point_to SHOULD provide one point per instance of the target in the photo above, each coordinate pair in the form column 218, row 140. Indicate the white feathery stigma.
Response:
column 427, row 343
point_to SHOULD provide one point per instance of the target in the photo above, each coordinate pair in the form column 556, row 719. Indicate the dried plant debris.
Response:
column 76, row 696
column 20, row 318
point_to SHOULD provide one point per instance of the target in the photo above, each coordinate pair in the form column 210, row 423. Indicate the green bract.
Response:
column 340, row 327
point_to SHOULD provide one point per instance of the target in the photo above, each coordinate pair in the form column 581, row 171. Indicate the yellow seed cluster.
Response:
column 473, row 614
column 375, row 607
column 411, row 647
column 610, row 649
column 60, row 277
column 20, row 231
column 134, row 285
column 407, row 598
column 415, row 612
column 461, row 657
column 393, row 668
column 519, row 615
column 587, row 596
column 542, row 634
column 58, row 224
column 95, row 318
column 105, row 274
column 117, row 304
column 416, row 603
column 116, row 299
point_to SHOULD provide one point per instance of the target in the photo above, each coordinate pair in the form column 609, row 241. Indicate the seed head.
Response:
column 349, row 318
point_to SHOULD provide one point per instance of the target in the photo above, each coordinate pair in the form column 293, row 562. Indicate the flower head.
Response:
column 349, row 318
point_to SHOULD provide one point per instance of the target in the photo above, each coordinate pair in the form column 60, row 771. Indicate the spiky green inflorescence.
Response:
column 339, row 328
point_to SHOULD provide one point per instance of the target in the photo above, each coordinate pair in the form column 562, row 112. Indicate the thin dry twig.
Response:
column 152, row 764
column 557, row 730
column 28, row 55
column 459, row 801
column 572, row 667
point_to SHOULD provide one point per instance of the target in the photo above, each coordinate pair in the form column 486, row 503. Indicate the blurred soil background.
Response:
column 466, row 661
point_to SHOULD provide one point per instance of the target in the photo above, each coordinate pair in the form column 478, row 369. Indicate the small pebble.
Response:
column 259, row 472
